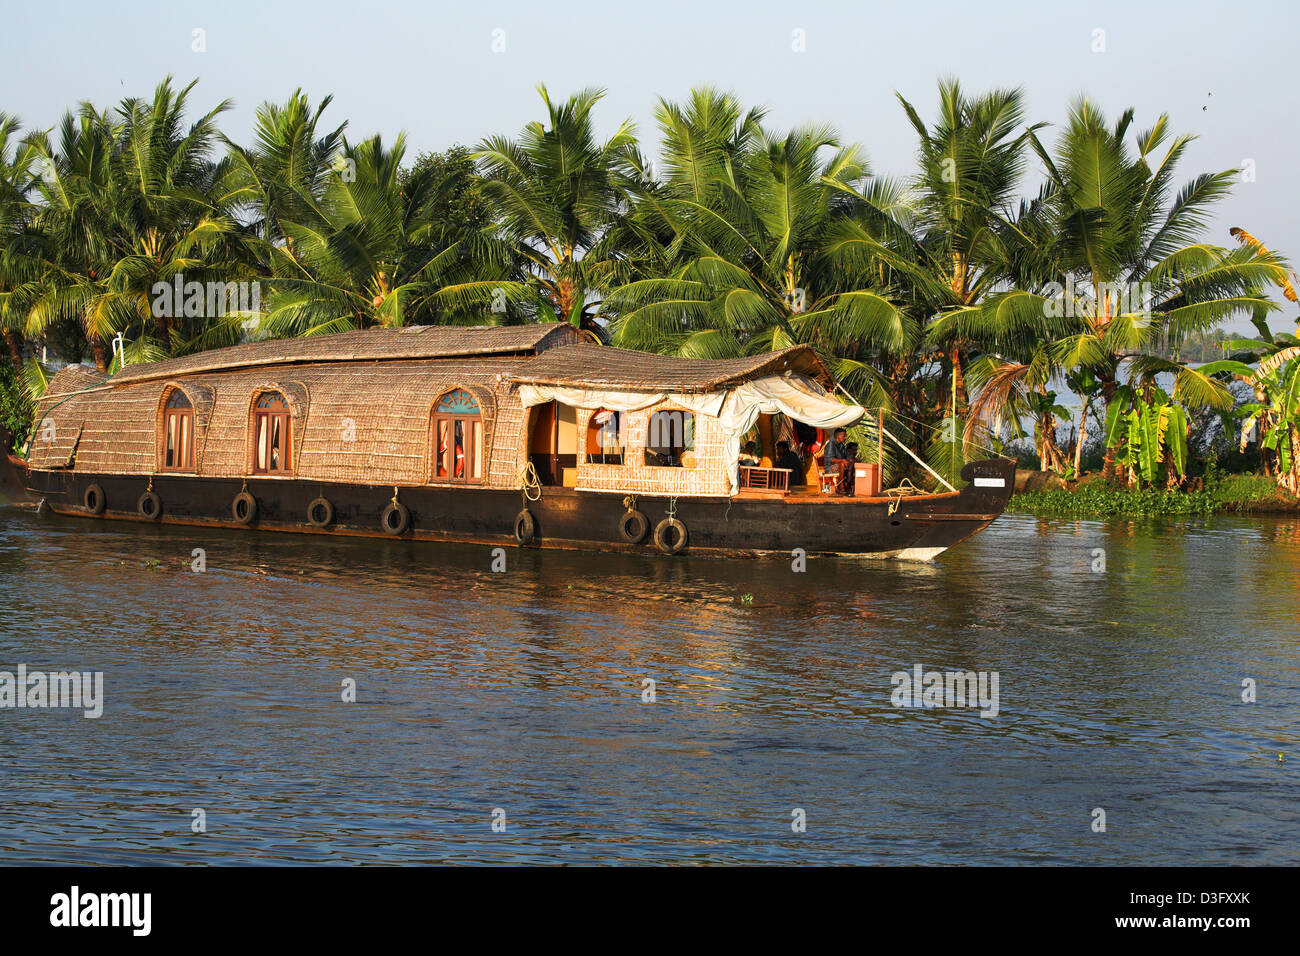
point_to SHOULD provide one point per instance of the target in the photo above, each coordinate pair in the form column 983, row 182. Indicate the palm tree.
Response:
column 19, row 168
column 971, row 163
column 759, row 228
column 1109, row 264
column 283, row 175
column 561, row 196
column 132, row 203
column 71, row 248
column 366, row 252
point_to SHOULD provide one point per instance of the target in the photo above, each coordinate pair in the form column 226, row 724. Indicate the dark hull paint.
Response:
column 564, row 518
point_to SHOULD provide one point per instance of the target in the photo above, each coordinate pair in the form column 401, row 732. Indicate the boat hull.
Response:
column 910, row 528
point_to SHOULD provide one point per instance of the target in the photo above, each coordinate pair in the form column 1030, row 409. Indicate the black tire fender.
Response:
column 94, row 500
column 149, row 506
column 662, row 529
column 320, row 513
column 244, row 508
column 632, row 527
column 396, row 518
column 525, row 527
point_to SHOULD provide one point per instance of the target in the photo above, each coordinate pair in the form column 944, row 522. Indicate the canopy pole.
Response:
column 884, row 431
column 917, row 460
column 880, row 438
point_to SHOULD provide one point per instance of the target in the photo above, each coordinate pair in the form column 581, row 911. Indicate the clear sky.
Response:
column 1222, row 71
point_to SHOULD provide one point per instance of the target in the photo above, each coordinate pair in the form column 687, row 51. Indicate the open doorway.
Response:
column 553, row 443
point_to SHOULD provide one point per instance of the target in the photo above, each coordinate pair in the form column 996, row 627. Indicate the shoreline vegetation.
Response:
column 1094, row 498
column 1079, row 326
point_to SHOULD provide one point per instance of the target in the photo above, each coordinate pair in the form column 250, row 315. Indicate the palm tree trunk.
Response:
column 959, row 380
column 1108, row 388
column 101, row 357
column 1056, row 459
column 14, row 342
column 1083, row 436
column 1292, row 479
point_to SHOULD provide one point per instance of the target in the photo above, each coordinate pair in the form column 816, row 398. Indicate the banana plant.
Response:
column 1149, row 432
column 1276, row 413
column 1045, row 410
column 1084, row 383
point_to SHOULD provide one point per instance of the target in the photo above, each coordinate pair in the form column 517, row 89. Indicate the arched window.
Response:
column 178, row 433
column 671, row 433
column 605, row 438
column 457, row 437
column 273, row 447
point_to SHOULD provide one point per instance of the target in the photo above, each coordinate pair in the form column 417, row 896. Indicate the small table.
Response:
column 755, row 478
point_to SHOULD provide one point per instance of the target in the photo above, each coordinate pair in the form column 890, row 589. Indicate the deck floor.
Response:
column 807, row 495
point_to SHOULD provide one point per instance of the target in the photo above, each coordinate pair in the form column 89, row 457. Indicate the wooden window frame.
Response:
column 184, row 463
column 473, row 442
column 284, row 416
column 593, row 430
column 676, row 461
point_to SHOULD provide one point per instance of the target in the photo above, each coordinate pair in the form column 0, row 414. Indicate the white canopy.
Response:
column 736, row 408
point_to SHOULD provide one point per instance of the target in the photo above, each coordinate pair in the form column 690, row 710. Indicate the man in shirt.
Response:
column 837, row 458
column 785, row 458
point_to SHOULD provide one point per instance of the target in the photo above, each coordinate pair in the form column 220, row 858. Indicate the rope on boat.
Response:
column 899, row 492
column 886, row 432
column 972, row 442
column 530, row 483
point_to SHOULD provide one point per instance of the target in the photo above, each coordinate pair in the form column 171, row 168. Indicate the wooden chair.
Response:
column 757, row 478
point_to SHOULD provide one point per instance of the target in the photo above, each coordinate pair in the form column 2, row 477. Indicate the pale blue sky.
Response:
column 429, row 69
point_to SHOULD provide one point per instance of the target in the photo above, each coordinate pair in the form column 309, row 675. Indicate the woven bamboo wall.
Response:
column 354, row 421
column 704, row 470
column 511, row 450
column 363, row 422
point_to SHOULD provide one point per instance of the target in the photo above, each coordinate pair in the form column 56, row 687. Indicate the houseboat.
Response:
column 532, row 435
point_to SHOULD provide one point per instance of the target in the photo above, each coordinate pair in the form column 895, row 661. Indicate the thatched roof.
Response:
column 411, row 342
column 74, row 378
column 597, row 366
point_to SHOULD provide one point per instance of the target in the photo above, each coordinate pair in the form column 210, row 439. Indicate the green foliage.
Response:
column 1146, row 432
column 1239, row 493
column 1277, row 416
column 15, row 408
column 1099, row 500
column 942, row 298
column 559, row 198
column 1108, row 273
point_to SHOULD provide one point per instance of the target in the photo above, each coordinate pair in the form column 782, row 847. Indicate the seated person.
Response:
column 749, row 456
column 785, row 458
column 837, row 459
column 805, row 437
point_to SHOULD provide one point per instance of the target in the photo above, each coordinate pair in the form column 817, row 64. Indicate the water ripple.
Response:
column 522, row 691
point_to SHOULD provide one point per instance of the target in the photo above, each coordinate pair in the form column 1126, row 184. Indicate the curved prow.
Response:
column 946, row 520
column 991, row 482
column 13, row 475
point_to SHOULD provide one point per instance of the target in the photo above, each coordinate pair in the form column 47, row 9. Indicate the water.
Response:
column 522, row 691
